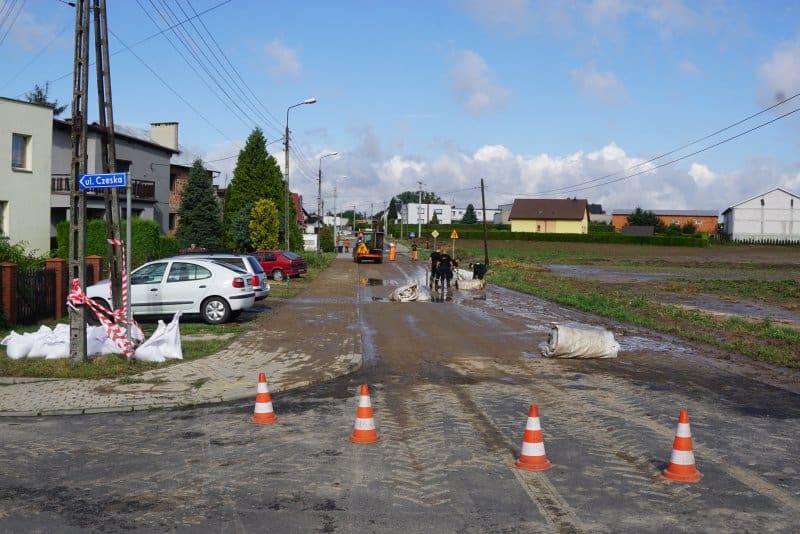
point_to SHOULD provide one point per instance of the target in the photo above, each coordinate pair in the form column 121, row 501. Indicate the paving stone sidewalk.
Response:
column 291, row 344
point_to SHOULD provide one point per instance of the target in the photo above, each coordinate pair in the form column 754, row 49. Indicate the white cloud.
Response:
column 702, row 175
column 688, row 67
column 490, row 152
column 780, row 75
column 283, row 60
column 511, row 15
column 473, row 87
column 603, row 86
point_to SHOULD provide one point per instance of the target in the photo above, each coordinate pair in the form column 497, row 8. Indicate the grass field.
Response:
column 744, row 299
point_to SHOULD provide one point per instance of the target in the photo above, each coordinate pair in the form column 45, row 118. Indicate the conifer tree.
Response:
column 470, row 217
column 199, row 217
column 256, row 176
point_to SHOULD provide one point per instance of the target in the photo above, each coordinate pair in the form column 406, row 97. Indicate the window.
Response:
column 149, row 274
column 173, row 182
column 122, row 165
column 3, row 210
column 20, row 151
column 173, row 218
column 186, row 272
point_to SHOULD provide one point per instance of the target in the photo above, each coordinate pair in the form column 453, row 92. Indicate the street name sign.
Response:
column 94, row 181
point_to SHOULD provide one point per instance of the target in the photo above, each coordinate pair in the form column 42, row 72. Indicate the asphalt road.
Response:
column 451, row 383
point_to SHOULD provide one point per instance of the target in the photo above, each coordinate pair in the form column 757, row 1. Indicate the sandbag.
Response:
column 579, row 341
column 410, row 293
column 18, row 345
column 164, row 343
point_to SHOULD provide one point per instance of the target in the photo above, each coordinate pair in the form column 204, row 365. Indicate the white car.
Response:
column 215, row 291
column 247, row 263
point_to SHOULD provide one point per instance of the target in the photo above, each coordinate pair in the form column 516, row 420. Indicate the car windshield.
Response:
column 227, row 265
column 255, row 265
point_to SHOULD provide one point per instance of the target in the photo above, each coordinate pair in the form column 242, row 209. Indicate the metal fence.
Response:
column 35, row 295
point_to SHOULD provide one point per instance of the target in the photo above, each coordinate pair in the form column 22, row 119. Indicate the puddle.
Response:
column 377, row 282
column 532, row 355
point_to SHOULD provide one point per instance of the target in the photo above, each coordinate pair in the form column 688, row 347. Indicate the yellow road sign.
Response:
column 435, row 234
column 454, row 235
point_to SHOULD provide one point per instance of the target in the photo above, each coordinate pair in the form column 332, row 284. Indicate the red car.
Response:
column 281, row 263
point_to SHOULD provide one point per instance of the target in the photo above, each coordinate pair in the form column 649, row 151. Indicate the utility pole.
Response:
column 419, row 213
column 485, row 244
column 108, row 150
column 77, row 197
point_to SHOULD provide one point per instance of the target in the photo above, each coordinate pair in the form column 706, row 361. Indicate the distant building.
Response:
column 502, row 217
column 423, row 213
column 457, row 214
column 770, row 216
column 705, row 221
column 551, row 216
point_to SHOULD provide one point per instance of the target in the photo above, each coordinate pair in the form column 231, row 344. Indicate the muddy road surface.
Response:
column 451, row 382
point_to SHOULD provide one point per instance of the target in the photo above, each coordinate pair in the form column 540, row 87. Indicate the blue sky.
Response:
column 535, row 97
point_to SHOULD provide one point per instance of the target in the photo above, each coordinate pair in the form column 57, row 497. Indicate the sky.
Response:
column 626, row 103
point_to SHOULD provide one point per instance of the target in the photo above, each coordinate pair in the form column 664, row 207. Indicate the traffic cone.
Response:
column 364, row 430
column 263, row 414
column 681, row 462
column 533, row 457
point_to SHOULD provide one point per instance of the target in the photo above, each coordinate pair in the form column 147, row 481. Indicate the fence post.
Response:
column 58, row 265
column 95, row 261
column 8, row 272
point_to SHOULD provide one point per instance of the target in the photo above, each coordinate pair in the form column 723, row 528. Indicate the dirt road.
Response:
column 450, row 384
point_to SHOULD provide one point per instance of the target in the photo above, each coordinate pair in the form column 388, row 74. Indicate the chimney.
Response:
column 165, row 133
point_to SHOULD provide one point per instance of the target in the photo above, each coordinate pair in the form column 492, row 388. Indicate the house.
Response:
column 146, row 162
column 598, row 215
column 180, row 163
column 423, row 213
column 551, row 216
column 705, row 221
column 26, row 132
column 503, row 211
column 770, row 216
column 457, row 214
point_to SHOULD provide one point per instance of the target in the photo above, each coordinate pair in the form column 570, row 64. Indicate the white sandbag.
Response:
column 18, row 345
column 41, row 340
column 470, row 285
column 164, row 343
column 96, row 338
column 579, row 341
column 58, row 343
column 410, row 293
column 463, row 274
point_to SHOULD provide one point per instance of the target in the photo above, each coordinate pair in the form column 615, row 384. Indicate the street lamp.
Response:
column 335, row 216
column 319, row 197
column 286, row 164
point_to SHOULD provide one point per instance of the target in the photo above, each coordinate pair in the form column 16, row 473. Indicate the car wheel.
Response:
column 277, row 274
column 91, row 318
column 215, row 310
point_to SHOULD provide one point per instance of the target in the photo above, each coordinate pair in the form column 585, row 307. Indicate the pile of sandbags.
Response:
column 465, row 280
column 579, row 341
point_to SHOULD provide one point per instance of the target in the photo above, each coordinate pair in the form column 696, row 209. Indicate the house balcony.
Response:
column 142, row 189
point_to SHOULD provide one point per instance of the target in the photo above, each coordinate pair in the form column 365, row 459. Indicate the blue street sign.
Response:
column 94, row 181
column 413, row 234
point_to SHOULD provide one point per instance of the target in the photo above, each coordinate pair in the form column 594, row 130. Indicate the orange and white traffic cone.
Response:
column 263, row 414
column 533, row 457
column 681, row 466
column 364, row 430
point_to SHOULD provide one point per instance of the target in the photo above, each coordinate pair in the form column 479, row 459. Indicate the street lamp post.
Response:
column 319, row 198
column 286, row 165
column 335, row 215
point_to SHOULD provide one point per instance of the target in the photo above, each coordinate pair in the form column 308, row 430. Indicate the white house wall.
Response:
column 773, row 216
column 25, row 193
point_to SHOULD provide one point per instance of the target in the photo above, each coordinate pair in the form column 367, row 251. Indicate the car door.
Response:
column 146, row 290
column 186, row 286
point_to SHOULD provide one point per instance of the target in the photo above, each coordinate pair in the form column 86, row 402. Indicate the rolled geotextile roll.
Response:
column 580, row 342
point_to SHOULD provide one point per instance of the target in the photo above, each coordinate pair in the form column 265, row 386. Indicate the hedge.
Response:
column 147, row 241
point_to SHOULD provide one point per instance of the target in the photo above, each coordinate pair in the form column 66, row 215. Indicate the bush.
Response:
column 146, row 243
column 16, row 254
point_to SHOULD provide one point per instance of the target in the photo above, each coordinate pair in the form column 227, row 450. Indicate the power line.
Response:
column 13, row 18
column 665, row 154
column 704, row 149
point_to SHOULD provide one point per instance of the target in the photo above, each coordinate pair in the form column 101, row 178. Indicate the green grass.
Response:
column 761, row 340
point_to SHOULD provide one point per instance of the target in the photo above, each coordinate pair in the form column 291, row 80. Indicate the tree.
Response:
column 264, row 225
column 256, row 176
column 689, row 228
column 240, row 228
column 641, row 217
column 392, row 215
column 39, row 96
column 199, row 220
column 435, row 219
column 412, row 197
column 470, row 217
